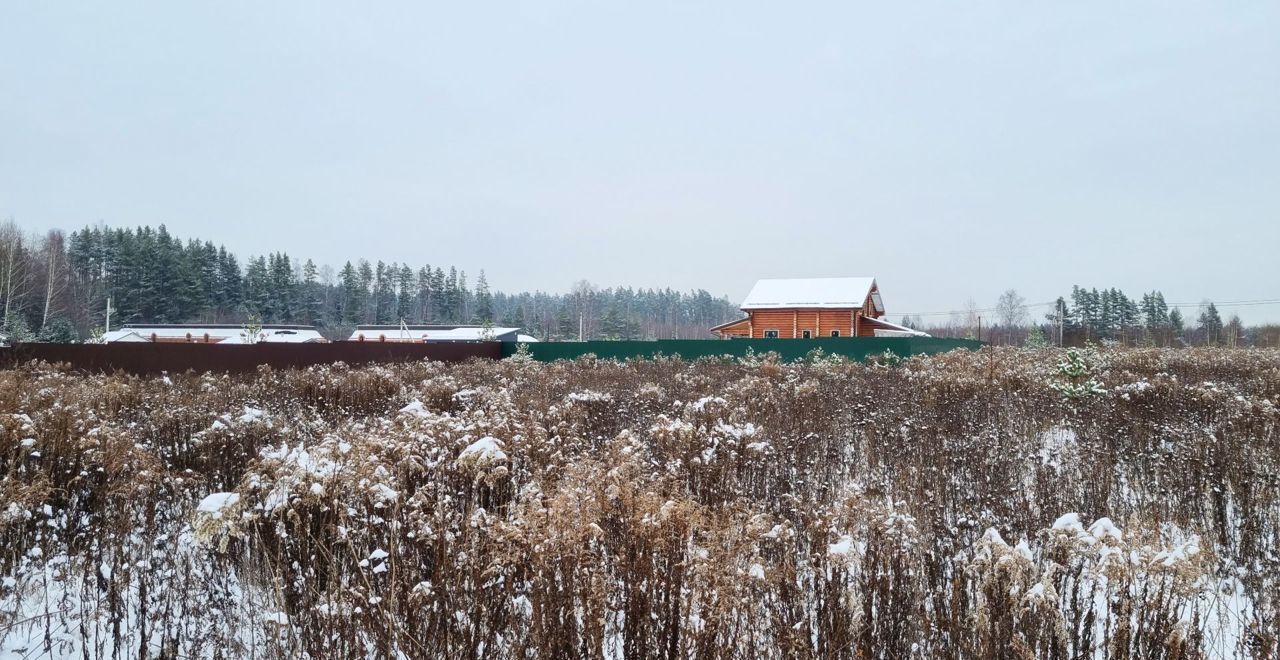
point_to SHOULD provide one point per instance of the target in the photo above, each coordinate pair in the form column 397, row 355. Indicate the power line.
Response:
column 1228, row 303
column 975, row 310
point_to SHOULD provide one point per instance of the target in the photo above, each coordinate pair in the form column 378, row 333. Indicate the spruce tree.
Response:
column 405, row 294
column 352, row 313
column 1210, row 324
column 484, row 299
column 384, row 298
column 423, row 309
column 257, row 285
column 440, row 296
column 365, row 301
column 230, row 283
column 312, row 302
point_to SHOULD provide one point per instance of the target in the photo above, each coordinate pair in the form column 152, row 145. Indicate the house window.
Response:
column 806, row 334
column 835, row 333
column 770, row 334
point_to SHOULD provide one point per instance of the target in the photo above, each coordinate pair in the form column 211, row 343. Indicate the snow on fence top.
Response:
column 820, row 292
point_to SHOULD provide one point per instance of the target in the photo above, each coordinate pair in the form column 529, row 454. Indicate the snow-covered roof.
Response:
column 277, row 336
column 818, row 292
column 895, row 330
column 428, row 333
column 118, row 336
column 526, row 339
column 218, row 334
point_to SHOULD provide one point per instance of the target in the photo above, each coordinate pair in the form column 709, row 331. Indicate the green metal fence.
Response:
column 788, row 349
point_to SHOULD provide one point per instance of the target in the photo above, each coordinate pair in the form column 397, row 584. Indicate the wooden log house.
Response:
column 812, row 308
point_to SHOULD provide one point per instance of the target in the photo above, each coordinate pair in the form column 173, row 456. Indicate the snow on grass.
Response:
column 483, row 452
column 215, row 503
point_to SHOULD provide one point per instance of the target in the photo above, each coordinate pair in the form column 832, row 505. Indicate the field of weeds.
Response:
column 1003, row 503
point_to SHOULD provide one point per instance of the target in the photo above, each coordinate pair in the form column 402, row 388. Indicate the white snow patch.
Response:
column 1069, row 522
column 215, row 503
column 486, row 450
column 843, row 547
column 414, row 408
column 1103, row 528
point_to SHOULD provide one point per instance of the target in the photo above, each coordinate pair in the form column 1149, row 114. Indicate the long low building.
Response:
column 216, row 333
column 437, row 333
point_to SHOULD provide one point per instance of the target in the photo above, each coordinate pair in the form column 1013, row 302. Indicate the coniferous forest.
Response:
column 56, row 288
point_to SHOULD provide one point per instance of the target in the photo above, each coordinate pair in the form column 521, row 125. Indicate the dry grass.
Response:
column 655, row 508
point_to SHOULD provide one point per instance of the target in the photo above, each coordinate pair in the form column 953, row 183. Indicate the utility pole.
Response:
column 108, row 314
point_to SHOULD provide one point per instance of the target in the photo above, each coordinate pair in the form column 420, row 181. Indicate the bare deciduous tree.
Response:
column 53, row 262
column 1011, row 309
column 584, row 294
column 15, row 271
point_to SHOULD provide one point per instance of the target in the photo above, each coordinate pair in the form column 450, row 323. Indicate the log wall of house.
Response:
column 792, row 323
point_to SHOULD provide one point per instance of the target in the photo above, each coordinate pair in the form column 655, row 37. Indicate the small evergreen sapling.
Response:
column 252, row 329
column 1035, row 339
column 1076, row 379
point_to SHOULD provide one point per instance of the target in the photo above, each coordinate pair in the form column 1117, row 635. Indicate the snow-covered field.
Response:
column 1005, row 503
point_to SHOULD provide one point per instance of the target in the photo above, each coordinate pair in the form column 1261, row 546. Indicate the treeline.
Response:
column 1110, row 315
column 57, row 288
column 1106, row 315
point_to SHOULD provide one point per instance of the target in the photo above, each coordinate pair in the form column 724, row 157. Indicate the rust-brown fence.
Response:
column 149, row 358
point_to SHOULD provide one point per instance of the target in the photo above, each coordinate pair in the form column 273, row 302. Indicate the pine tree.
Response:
column 440, row 296
column 405, row 294
column 58, row 330
column 312, row 303
column 230, row 283
column 257, row 288
column 423, row 313
column 453, row 299
column 612, row 326
column 463, row 313
column 1176, row 324
column 280, row 289
column 484, row 299
column 566, row 323
column 365, row 309
column 352, row 296
column 1035, row 338
column 384, row 297
column 1210, row 324
column 16, row 328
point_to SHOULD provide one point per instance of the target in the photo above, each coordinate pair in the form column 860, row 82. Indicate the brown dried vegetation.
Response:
column 657, row 508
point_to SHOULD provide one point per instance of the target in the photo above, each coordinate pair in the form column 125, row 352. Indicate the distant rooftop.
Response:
column 212, row 333
column 431, row 333
column 212, row 326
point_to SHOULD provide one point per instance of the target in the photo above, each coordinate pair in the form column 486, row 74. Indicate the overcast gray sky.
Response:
column 952, row 150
